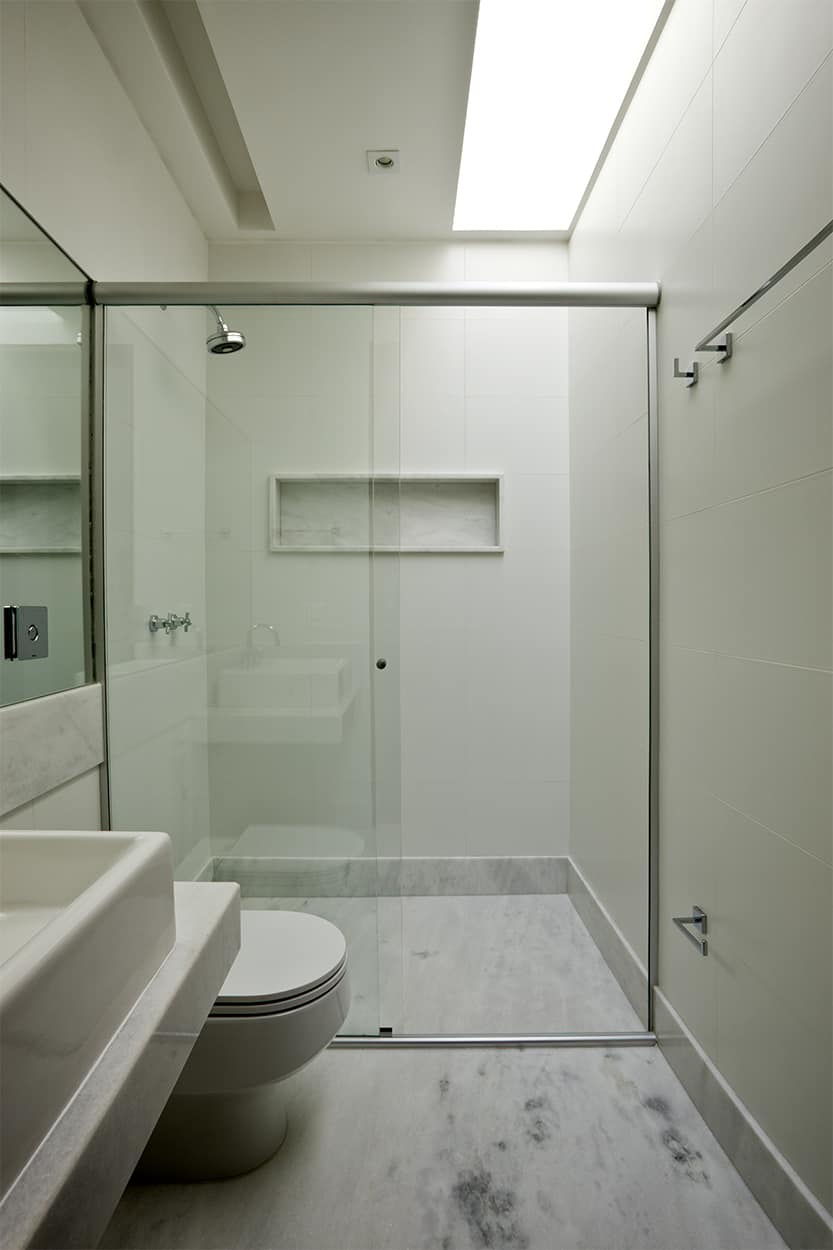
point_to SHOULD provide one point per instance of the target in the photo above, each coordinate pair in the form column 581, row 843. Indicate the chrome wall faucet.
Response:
column 169, row 623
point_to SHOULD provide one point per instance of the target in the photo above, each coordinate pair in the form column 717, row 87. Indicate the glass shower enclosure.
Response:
column 342, row 569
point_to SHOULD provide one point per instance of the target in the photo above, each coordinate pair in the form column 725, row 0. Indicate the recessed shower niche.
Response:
column 417, row 513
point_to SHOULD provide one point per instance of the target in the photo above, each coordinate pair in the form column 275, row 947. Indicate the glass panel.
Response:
column 501, row 712
column 155, row 554
column 257, row 725
column 42, row 367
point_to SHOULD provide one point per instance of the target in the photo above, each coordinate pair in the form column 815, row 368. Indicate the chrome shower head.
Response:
column 223, row 340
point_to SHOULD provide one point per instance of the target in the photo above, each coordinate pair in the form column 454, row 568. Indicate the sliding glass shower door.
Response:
column 253, row 611
column 380, row 643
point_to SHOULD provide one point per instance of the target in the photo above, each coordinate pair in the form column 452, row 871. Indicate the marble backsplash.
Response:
column 45, row 742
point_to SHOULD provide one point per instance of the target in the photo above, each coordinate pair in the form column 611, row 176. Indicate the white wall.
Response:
column 721, row 171
column 73, row 152
column 482, row 678
column 66, row 807
column 485, row 639
column 609, row 612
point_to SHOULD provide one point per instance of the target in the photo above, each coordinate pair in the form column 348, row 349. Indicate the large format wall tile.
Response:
column 745, row 543
column 792, row 174
column 771, row 52
column 770, row 728
column 777, row 396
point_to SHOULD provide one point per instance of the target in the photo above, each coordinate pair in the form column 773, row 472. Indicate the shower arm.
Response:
column 221, row 325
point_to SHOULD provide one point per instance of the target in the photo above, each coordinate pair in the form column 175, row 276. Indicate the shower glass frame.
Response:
column 471, row 294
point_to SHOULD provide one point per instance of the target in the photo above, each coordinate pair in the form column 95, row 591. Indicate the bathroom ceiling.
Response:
column 314, row 84
column 263, row 110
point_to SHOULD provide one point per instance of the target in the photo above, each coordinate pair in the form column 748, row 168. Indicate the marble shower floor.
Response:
column 461, row 1150
column 513, row 963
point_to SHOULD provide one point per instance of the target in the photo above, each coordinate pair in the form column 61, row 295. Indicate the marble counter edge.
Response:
column 67, row 1192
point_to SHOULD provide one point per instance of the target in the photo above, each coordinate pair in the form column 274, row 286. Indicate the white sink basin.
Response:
column 86, row 919
column 297, row 684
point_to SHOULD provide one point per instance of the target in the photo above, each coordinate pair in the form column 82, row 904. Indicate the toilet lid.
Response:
column 283, row 954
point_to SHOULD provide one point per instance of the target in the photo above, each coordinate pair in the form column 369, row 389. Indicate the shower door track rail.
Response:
column 466, row 1041
column 470, row 294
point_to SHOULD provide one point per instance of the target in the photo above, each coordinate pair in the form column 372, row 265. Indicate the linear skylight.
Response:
column 548, row 78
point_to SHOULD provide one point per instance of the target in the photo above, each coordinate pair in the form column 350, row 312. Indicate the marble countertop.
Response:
column 65, row 1195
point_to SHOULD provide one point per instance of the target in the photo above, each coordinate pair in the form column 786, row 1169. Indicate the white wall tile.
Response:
column 386, row 262
column 432, row 358
column 20, row 818
column 522, row 357
column 433, row 432
column 778, row 399
column 74, row 805
column 791, row 174
column 677, row 196
column 773, row 586
column 771, row 728
column 688, row 872
column 769, row 55
column 672, row 77
column 518, row 818
column 529, row 435
column 515, row 262
column 259, row 262
column 758, row 1041
column 726, row 13
column 689, row 553
column 609, row 757
column 434, row 816
column 745, row 611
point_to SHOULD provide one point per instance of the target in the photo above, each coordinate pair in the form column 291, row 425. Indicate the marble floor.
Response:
column 461, row 1150
column 513, row 963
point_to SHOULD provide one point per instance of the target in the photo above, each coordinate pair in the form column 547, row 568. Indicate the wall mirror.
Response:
column 43, row 509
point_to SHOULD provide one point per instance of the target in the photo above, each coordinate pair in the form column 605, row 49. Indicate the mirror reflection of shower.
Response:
column 223, row 340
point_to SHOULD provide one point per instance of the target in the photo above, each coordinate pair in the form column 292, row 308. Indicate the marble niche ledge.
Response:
column 67, row 1192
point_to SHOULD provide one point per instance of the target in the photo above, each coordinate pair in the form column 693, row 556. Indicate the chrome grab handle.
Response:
column 699, row 919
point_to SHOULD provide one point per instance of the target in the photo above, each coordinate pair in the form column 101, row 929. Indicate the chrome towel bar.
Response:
column 725, row 346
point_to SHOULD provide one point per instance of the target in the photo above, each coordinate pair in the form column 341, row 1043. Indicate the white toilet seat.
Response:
column 287, row 959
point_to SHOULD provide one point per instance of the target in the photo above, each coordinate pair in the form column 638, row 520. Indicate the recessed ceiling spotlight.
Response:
column 383, row 160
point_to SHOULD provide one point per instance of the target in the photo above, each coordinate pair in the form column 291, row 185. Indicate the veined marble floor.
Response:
column 511, row 963
column 461, row 1150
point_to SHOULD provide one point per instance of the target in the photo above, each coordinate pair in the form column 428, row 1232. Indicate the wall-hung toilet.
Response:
column 283, row 1001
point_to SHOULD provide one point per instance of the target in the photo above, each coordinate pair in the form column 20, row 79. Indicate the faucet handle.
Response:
column 186, row 621
column 156, row 622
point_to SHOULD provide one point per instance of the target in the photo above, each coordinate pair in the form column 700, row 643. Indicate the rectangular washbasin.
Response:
column 308, row 683
column 86, row 920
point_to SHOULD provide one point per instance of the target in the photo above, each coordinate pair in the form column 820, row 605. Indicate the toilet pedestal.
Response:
column 205, row 1137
